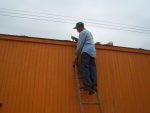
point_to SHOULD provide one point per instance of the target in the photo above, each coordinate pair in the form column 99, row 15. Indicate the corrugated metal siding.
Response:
column 124, row 81
column 36, row 76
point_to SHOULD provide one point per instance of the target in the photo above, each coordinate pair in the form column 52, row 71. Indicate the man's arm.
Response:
column 80, row 44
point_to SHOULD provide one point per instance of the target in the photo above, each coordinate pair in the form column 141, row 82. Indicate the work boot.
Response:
column 92, row 92
column 94, row 88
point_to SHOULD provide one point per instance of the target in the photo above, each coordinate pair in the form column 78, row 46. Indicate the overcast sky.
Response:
column 124, row 22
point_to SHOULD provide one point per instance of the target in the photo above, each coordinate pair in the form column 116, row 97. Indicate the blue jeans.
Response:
column 88, row 71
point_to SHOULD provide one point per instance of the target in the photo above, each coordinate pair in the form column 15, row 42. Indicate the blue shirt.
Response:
column 86, row 44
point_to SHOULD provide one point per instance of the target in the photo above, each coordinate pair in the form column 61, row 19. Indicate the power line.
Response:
column 60, row 21
column 33, row 15
column 88, row 20
column 35, row 18
column 129, row 27
column 39, row 16
column 70, row 23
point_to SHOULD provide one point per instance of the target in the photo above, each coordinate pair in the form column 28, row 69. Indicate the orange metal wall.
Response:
column 36, row 76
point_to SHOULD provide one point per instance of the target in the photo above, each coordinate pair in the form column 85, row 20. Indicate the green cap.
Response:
column 79, row 24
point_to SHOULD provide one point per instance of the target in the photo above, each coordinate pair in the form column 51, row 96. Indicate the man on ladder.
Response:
column 86, row 48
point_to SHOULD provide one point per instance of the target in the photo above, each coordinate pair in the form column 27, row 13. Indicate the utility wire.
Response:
column 70, row 23
column 33, row 15
column 36, row 18
column 47, row 17
column 60, row 21
column 90, row 20
column 137, row 27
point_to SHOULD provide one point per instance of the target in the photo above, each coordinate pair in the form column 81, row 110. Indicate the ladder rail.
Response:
column 99, row 103
column 78, row 90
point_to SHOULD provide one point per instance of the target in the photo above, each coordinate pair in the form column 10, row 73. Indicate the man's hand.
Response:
column 75, row 62
column 74, row 38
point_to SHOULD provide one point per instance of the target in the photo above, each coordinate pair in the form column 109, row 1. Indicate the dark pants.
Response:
column 88, row 71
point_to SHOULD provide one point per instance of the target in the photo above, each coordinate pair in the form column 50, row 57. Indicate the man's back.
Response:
column 86, row 43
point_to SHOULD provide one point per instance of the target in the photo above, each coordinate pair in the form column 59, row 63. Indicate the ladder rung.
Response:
column 82, row 89
column 92, row 103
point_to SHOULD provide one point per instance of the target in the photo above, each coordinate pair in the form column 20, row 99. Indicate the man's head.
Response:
column 79, row 26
